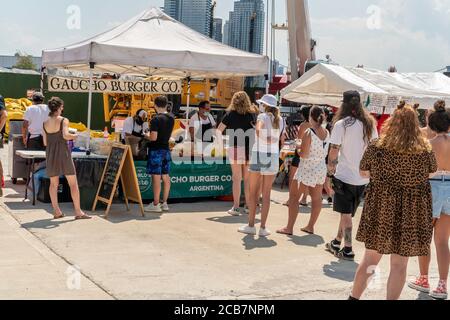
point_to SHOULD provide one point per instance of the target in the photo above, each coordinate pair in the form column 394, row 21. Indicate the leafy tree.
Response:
column 24, row 61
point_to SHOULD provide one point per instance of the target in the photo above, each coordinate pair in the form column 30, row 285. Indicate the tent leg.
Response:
column 42, row 79
column 188, row 107
column 91, row 68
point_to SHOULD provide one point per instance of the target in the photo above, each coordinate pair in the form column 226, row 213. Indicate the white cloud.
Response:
column 414, row 36
column 441, row 6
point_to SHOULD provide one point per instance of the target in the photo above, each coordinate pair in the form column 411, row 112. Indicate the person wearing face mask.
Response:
column 136, row 126
column 202, row 123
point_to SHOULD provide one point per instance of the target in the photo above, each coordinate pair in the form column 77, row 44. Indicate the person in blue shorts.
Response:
column 159, row 158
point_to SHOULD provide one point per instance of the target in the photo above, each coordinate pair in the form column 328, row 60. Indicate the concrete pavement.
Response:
column 193, row 252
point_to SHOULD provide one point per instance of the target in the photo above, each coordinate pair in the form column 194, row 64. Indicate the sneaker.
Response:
column 264, row 232
column 234, row 212
column 349, row 256
column 330, row 200
column 420, row 284
column 245, row 210
column 247, row 230
column 165, row 207
column 332, row 248
column 152, row 208
column 441, row 291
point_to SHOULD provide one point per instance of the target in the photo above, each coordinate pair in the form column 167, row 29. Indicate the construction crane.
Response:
column 301, row 44
column 302, row 56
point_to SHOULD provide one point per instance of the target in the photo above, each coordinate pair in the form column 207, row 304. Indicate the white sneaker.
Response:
column 234, row 212
column 165, row 207
column 247, row 230
column 264, row 232
column 245, row 210
column 152, row 208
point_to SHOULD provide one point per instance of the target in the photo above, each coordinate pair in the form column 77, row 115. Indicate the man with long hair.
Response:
column 354, row 128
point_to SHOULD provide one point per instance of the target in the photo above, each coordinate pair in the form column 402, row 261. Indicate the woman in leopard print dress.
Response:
column 397, row 215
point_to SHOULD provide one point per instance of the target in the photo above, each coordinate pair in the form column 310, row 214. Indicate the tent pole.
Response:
column 91, row 68
column 188, row 106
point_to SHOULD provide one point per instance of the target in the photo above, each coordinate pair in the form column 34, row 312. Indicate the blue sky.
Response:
column 414, row 35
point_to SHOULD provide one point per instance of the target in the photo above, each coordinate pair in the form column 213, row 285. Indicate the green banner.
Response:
column 190, row 180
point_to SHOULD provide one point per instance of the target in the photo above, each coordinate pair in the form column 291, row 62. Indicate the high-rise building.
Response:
column 196, row 14
column 246, row 26
column 226, row 32
column 217, row 29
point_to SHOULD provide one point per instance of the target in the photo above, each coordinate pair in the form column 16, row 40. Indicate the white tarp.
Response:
column 154, row 44
column 325, row 84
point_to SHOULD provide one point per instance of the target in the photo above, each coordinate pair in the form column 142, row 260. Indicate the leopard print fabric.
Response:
column 397, row 214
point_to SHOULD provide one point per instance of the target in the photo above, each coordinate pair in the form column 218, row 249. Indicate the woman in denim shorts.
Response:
column 264, row 162
column 439, row 122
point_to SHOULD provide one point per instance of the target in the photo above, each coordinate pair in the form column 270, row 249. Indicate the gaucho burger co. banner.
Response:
column 61, row 84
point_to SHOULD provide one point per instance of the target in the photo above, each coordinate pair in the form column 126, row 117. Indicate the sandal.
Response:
column 62, row 215
column 307, row 231
column 83, row 217
column 284, row 232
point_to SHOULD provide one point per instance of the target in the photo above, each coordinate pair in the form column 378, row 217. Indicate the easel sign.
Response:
column 120, row 166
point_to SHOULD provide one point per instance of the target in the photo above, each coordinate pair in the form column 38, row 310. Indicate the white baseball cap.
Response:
column 269, row 100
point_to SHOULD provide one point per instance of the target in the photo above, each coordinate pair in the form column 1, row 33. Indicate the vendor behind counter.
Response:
column 136, row 126
column 202, row 123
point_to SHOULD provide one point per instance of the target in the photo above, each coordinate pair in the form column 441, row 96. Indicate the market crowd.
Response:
column 402, row 173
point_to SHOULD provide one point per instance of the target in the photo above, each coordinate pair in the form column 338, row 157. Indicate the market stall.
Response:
column 152, row 45
column 381, row 91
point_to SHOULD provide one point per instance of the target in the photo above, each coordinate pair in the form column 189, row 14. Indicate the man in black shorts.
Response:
column 354, row 128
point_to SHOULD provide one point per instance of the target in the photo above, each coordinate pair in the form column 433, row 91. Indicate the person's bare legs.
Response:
column 347, row 228
column 236, row 170
column 166, row 183
column 267, row 183
column 1, row 179
column 254, row 184
column 245, row 176
column 156, row 184
column 441, row 237
column 75, row 192
column 397, row 277
column 304, row 199
column 316, row 208
column 424, row 265
column 292, row 183
column 365, row 271
column 53, row 190
column 294, row 202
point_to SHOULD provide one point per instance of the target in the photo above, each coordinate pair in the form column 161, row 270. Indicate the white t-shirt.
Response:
column 353, row 146
column 266, row 132
column 36, row 115
column 194, row 121
column 129, row 124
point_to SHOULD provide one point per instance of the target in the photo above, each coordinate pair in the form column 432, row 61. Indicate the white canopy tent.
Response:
column 381, row 91
column 152, row 44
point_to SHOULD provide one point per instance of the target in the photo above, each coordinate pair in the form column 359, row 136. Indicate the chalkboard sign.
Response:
column 112, row 172
column 119, row 167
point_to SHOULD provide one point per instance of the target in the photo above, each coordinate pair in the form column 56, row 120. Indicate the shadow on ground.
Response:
column 341, row 270
column 242, row 219
column 254, row 242
column 424, row 296
column 311, row 240
column 46, row 224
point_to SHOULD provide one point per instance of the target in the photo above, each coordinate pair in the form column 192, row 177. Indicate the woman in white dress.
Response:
column 311, row 173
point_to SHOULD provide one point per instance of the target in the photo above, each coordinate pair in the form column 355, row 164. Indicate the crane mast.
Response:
column 301, row 44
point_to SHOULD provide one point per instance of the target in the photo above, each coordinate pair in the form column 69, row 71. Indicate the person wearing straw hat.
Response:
column 264, row 162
